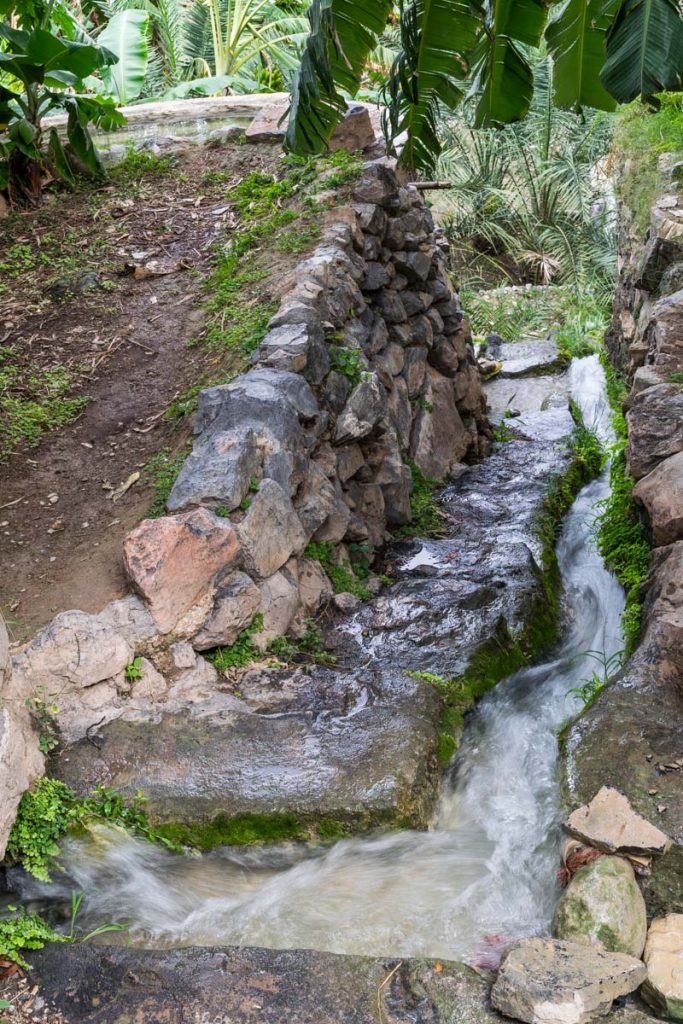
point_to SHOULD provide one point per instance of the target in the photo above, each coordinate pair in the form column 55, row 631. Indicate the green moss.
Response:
column 242, row 830
column 427, row 517
column 642, row 135
column 623, row 543
column 621, row 534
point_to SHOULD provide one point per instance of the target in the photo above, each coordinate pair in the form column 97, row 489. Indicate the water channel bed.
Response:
column 481, row 875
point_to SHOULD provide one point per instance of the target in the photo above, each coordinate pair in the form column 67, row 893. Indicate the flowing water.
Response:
column 483, row 874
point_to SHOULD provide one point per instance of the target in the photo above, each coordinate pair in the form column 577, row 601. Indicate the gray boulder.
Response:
column 270, row 532
column 362, row 411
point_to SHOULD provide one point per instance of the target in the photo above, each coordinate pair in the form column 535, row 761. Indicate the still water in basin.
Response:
column 487, row 867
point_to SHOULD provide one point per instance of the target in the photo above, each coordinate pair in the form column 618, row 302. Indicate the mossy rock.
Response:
column 603, row 903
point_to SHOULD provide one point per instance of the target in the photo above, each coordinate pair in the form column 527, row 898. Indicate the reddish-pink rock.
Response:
column 173, row 561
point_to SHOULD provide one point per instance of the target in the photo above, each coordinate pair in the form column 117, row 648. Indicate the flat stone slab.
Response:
column 226, row 985
column 360, row 749
column 609, row 823
column 110, row 985
column 554, row 982
column 529, row 358
column 534, row 395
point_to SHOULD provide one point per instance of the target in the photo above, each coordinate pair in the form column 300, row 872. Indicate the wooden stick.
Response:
column 422, row 186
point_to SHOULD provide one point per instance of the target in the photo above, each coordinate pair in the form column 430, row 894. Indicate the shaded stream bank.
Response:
column 483, row 874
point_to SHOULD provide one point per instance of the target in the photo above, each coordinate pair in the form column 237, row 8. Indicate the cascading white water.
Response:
column 486, row 871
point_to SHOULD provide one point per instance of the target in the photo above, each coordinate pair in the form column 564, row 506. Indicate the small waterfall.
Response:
column 484, row 873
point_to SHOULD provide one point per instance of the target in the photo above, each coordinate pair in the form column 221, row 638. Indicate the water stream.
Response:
column 483, row 874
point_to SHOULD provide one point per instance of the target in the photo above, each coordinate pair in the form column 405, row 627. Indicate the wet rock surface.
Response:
column 528, row 358
column 112, row 985
column 357, row 746
column 354, row 748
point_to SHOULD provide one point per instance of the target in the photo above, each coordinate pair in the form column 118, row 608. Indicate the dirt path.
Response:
column 70, row 311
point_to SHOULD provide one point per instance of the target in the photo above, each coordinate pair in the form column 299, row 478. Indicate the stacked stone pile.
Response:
column 600, row 932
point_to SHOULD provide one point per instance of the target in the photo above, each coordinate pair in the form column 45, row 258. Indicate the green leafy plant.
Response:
column 349, row 363
column 44, row 67
column 603, row 52
column 343, row 575
column 134, row 670
column 589, row 688
column 44, row 815
column 242, row 652
column 42, row 712
column 51, row 809
column 21, row 931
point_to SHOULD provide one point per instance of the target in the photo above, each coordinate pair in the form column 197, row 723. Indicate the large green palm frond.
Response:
column 342, row 35
column 644, row 49
column 504, row 79
column 576, row 39
column 437, row 39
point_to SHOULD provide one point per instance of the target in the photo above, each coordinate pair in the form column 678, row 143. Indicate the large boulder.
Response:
column 661, row 492
column 655, row 427
column 545, row 981
column 20, row 759
column 603, row 904
column 663, row 989
column 172, row 562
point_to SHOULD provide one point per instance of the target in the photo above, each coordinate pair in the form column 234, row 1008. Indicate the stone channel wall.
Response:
column 367, row 369
column 632, row 737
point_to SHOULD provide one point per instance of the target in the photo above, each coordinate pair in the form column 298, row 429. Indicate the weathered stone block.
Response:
column 603, row 904
column 236, row 603
column 172, row 562
column 271, row 531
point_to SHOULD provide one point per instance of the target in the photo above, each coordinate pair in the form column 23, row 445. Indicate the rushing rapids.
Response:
column 484, row 873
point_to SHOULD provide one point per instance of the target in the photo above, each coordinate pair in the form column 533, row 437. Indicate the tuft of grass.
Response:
column 33, row 401
column 138, row 164
column 642, row 135
column 308, row 648
column 345, row 577
column 428, row 519
column 242, row 652
column 162, row 472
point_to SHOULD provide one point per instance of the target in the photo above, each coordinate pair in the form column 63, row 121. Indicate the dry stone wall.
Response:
column 366, row 370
